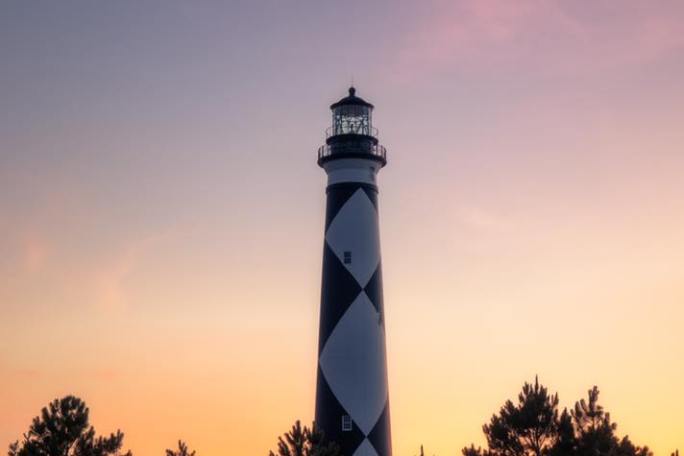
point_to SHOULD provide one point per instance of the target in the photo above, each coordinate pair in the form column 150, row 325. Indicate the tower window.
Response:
column 347, row 257
column 346, row 423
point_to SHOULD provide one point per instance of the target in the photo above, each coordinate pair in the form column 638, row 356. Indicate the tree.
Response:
column 566, row 442
column 595, row 433
column 63, row 429
column 533, row 427
column 422, row 451
column 182, row 450
column 472, row 451
column 528, row 428
column 302, row 441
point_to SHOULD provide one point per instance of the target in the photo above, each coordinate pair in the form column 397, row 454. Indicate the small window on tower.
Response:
column 347, row 257
column 346, row 423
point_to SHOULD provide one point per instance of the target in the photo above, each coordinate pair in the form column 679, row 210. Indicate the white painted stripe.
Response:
column 351, row 170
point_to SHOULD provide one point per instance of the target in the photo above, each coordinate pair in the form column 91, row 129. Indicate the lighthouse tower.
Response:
column 352, row 406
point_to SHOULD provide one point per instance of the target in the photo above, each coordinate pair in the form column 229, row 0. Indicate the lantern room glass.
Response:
column 352, row 120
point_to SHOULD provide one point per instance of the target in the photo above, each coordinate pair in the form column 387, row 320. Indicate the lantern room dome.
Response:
column 351, row 100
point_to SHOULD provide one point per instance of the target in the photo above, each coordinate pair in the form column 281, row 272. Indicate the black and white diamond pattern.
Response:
column 355, row 229
column 352, row 374
column 353, row 363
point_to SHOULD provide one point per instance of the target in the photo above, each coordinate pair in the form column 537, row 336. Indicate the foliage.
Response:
column 595, row 433
column 302, row 441
column 533, row 427
column 63, row 429
column 472, row 451
column 182, row 450
column 422, row 451
column 526, row 428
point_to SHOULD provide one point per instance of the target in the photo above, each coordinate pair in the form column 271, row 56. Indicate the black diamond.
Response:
column 374, row 290
column 338, row 195
column 372, row 193
column 339, row 290
column 329, row 414
column 381, row 436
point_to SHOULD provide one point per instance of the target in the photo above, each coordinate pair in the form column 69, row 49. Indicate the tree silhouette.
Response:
column 566, row 442
column 63, row 429
column 182, row 450
column 422, row 451
column 533, row 427
column 302, row 441
column 595, row 433
column 472, row 451
column 528, row 428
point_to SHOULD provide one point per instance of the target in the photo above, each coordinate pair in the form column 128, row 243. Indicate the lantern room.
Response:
column 352, row 134
column 352, row 115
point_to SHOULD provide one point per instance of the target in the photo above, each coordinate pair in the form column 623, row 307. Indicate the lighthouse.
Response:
column 352, row 403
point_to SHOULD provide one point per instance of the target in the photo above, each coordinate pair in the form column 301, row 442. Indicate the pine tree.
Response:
column 528, row 428
column 302, row 441
column 566, row 443
column 533, row 427
column 63, row 429
column 182, row 450
column 472, row 451
column 595, row 433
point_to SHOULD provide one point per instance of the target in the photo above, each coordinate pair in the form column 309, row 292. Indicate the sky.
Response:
column 162, row 213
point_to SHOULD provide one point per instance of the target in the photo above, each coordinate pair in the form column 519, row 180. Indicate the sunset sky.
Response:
column 162, row 213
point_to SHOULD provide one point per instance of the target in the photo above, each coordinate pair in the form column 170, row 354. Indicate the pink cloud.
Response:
column 538, row 35
column 109, row 278
column 35, row 251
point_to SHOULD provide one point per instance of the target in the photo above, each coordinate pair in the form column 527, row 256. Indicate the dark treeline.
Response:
column 305, row 442
column 532, row 426
column 63, row 429
column 535, row 426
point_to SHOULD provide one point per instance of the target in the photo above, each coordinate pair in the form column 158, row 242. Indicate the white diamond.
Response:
column 355, row 230
column 353, row 362
column 365, row 449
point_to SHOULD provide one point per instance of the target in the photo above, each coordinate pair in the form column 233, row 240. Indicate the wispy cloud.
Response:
column 109, row 278
column 549, row 36
column 35, row 250
column 482, row 220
